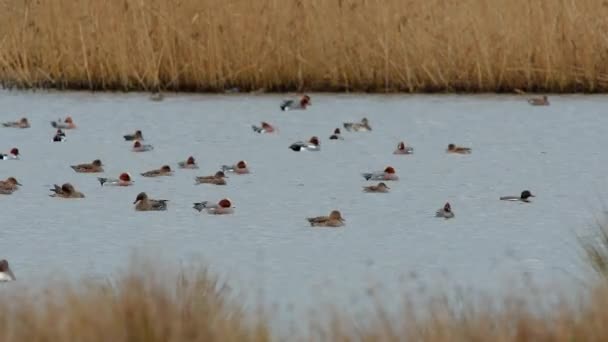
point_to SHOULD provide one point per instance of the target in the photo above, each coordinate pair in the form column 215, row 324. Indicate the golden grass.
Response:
column 322, row 45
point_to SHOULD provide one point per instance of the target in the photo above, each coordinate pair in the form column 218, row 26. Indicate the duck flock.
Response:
column 224, row 206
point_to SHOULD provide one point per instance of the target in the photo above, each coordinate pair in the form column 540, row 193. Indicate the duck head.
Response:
column 241, row 164
column 225, row 203
column 190, row 161
column 165, row 168
column 97, row 162
column 15, row 151
column 13, row 180
column 220, row 174
column 136, row 144
column 336, row 215
column 526, row 194
column 68, row 188
column 140, row 197
column 305, row 101
column 447, row 207
column 389, row 170
column 125, row 177
column 314, row 141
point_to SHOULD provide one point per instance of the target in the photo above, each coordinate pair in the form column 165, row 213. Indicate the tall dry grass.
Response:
column 277, row 45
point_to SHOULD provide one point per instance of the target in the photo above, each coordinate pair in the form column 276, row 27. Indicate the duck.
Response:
column 388, row 174
column 362, row 126
column 143, row 203
column 68, row 123
column 139, row 147
column 337, row 135
column 458, row 149
column 66, row 191
column 445, row 212
column 402, row 148
column 380, row 187
column 12, row 155
column 239, row 168
column 539, row 101
column 333, row 220
column 157, row 96
column 218, row 179
column 223, row 207
column 294, row 104
column 524, row 197
column 6, row 274
column 189, row 163
column 22, row 123
column 164, row 170
column 135, row 136
column 59, row 136
column 8, row 186
column 92, row 167
column 124, row 179
column 264, row 127
column 312, row 145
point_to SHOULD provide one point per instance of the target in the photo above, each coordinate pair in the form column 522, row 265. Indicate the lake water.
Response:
column 557, row 152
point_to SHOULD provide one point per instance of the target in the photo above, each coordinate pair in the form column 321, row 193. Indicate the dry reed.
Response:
column 320, row 45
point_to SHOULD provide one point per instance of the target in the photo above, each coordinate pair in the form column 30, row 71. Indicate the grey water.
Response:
column 557, row 152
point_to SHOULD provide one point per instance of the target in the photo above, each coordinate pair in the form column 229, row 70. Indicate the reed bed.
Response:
column 306, row 45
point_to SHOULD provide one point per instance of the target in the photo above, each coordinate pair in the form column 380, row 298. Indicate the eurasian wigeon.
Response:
column 524, row 197
column 380, row 187
column 59, row 136
column 66, row 191
column 264, row 128
column 22, row 123
column 218, row 179
column 333, row 220
column 68, row 123
column 189, row 163
column 239, row 168
column 93, row 167
column 312, row 145
column 293, row 104
column 164, row 170
column 12, row 155
column 6, row 274
column 143, row 203
column 9, row 186
column 402, row 148
column 388, row 174
column 458, row 149
column 139, row 147
column 124, row 179
column 222, row 207
column 362, row 126
column 445, row 212
column 135, row 136
column 337, row 135
column 539, row 101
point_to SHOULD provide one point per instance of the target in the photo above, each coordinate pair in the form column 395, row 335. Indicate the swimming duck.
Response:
column 333, row 220
column 380, row 187
column 9, row 186
column 68, row 123
column 94, row 166
column 12, row 155
column 312, row 145
column 337, row 135
column 66, row 191
column 524, row 197
column 294, row 104
column 6, row 274
column 218, row 179
column 402, row 148
column 222, row 207
column 239, row 168
column 123, row 180
column 139, row 147
column 189, row 163
column 22, row 123
column 164, row 170
column 264, row 128
column 539, row 101
column 143, row 203
column 362, row 126
column 458, row 149
column 135, row 136
column 387, row 175
column 445, row 212
column 157, row 96
column 59, row 136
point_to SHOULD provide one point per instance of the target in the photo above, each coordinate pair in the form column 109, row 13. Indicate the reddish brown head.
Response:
column 165, row 168
column 136, row 144
column 12, row 180
column 190, row 161
column 225, row 203
column 314, row 141
column 4, row 266
column 389, row 170
column 97, row 162
column 305, row 101
column 241, row 164
column 69, row 120
column 125, row 177
column 266, row 125
column 401, row 146
column 23, row 121
column 15, row 151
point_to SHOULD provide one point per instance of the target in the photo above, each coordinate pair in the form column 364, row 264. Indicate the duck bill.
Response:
column 136, row 202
